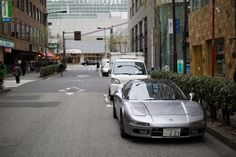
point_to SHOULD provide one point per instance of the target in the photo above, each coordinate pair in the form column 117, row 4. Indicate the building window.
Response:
column 23, row 32
column 141, row 36
column 18, row 28
column 197, row 4
column 18, row 4
column 27, row 7
column 30, row 9
column 23, row 5
column 13, row 33
column 31, row 34
column 27, row 33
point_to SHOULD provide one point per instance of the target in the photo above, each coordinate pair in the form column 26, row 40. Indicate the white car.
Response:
column 105, row 69
column 124, row 70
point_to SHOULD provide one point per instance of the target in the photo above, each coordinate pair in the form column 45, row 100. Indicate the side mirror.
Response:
column 191, row 95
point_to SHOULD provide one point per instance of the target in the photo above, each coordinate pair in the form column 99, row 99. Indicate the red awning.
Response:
column 51, row 54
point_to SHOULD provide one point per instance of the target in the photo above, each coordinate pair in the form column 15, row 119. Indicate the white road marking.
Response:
column 109, row 105
column 67, row 90
column 12, row 83
column 69, row 93
column 82, row 76
column 107, row 101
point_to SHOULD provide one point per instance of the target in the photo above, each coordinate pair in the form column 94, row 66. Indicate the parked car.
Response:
column 124, row 70
column 89, row 62
column 105, row 69
column 157, row 109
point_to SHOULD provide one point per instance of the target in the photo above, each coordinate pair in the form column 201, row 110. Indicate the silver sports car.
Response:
column 157, row 109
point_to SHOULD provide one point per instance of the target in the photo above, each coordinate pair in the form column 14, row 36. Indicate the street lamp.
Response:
column 111, row 35
column 46, row 26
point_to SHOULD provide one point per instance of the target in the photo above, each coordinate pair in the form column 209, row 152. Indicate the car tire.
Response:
column 114, row 111
column 122, row 130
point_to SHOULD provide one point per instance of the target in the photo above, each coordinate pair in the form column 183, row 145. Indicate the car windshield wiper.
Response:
column 123, row 74
column 149, row 99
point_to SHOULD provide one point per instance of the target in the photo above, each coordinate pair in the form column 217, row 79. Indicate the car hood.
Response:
column 153, row 108
column 125, row 78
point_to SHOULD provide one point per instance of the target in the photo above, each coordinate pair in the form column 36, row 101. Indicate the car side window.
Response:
column 126, row 89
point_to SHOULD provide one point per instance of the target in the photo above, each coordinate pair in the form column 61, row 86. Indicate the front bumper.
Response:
column 157, row 131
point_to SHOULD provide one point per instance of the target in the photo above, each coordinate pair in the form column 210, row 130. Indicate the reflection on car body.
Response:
column 157, row 109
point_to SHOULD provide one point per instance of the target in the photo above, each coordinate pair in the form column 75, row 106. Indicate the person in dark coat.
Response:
column 1, row 73
column 17, row 73
column 23, row 66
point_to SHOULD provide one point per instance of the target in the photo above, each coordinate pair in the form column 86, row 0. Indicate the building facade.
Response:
column 143, row 30
column 26, row 34
column 149, row 31
column 205, row 34
column 166, row 39
column 87, row 17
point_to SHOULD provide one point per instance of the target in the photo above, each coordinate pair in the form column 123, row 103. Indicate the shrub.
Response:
column 48, row 70
column 216, row 95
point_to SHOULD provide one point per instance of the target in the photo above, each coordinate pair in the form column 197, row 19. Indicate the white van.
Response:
column 124, row 70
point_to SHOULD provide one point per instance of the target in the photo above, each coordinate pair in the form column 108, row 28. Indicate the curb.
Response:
column 5, row 90
column 223, row 137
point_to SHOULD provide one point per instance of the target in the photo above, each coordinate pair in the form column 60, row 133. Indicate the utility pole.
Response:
column 213, row 40
column 64, row 47
column 175, row 56
column 185, row 35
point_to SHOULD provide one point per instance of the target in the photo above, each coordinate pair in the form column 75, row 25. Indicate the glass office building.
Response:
column 85, row 8
column 86, row 16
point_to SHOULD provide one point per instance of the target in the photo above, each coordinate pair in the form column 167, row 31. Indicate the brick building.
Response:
column 201, row 34
column 26, row 34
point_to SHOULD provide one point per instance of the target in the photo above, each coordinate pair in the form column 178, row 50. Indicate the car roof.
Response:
column 129, row 60
column 153, row 81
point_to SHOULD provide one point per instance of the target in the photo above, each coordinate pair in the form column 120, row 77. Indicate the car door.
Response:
column 120, row 99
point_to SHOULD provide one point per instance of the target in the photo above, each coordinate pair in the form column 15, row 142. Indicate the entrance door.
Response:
column 198, row 61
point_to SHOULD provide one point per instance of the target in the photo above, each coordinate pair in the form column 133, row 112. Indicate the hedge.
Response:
column 48, row 70
column 216, row 95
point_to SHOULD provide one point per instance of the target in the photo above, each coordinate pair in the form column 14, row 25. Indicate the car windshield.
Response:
column 156, row 91
column 106, row 65
column 130, row 68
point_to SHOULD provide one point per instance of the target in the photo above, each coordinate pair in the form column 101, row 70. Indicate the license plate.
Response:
column 171, row 132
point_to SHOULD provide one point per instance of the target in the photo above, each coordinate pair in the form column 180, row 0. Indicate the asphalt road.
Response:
column 69, row 117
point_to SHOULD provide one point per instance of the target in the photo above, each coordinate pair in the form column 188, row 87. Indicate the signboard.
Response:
column 180, row 66
column 7, row 50
column 6, row 11
column 53, row 45
column 177, row 22
column 6, row 43
column 170, row 26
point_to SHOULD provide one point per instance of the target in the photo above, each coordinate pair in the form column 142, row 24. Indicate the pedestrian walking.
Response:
column 23, row 66
column 61, row 68
column 98, row 65
column 17, row 73
column 1, row 74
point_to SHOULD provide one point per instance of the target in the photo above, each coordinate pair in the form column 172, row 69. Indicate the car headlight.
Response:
column 115, row 81
column 139, row 123
column 199, row 123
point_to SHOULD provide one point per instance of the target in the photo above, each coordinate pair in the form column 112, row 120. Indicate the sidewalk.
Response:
column 9, row 81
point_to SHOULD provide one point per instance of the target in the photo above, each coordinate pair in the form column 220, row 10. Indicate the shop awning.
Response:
column 50, row 54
